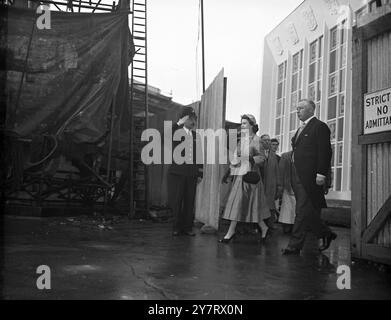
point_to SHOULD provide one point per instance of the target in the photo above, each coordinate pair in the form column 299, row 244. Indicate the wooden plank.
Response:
column 376, row 253
column 371, row 84
column 382, row 149
column 379, row 137
column 387, row 167
column 389, row 59
column 379, row 175
column 373, row 185
column 207, row 203
column 359, row 86
column 224, row 100
column 385, row 55
column 378, row 222
column 387, row 176
column 376, row 27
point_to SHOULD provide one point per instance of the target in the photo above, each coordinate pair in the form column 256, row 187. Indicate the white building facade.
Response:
column 308, row 55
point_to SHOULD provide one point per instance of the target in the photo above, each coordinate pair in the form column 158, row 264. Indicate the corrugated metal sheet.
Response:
column 379, row 155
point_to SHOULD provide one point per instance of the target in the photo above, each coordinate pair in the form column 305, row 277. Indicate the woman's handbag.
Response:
column 252, row 177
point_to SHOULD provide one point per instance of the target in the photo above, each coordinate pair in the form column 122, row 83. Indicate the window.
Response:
column 336, row 100
column 280, row 103
column 296, row 89
column 311, row 92
column 279, row 91
column 313, row 52
column 320, row 47
column 333, row 61
column 332, row 108
column 318, row 92
column 278, row 126
column 341, row 109
column 332, row 127
column 343, row 56
column 340, row 129
column 292, row 120
column 317, row 111
column 342, row 80
column 279, row 108
column 280, row 72
column 333, row 84
column 333, row 38
column 311, row 77
column 315, row 74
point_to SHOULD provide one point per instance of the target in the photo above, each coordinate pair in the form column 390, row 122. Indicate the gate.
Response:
column 371, row 153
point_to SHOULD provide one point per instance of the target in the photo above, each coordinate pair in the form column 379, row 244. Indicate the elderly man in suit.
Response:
column 311, row 158
column 184, row 175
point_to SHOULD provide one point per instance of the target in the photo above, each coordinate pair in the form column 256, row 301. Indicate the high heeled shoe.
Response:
column 261, row 238
column 266, row 234
column 227, row 240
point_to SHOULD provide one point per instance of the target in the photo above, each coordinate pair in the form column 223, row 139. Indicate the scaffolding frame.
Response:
column 90, row 6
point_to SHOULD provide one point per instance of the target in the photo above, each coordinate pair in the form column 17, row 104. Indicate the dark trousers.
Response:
column 308, row 218
column 182, row 190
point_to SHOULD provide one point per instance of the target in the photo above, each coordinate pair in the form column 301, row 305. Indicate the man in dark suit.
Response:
column 311, row 160
column 270, row 173
column 274, row 144
column 184, row 172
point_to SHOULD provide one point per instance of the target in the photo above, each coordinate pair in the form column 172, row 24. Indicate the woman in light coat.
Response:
column 246, row 201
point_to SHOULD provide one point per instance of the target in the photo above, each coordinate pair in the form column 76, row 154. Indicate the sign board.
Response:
column 377, row 111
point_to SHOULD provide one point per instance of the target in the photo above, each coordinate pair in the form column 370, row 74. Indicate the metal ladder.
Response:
column 139, row 79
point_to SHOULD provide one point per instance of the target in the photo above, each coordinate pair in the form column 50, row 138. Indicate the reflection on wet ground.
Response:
column 141, row 260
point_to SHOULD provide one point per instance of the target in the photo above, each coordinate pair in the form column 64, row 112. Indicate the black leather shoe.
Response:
column 290, row 251
column 327, row 241
column 227, row 240
column 189, row 233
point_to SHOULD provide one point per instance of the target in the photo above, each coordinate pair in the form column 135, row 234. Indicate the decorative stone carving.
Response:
column 277, row 46
column 309, row 18
column 333, row 6
column 292, row 33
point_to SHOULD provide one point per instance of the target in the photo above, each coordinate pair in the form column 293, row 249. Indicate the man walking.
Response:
column 311, row 159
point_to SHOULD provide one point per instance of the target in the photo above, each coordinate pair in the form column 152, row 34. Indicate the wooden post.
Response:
column 146, row 177
column 203, row 46
column 131, row 133
column 359, row 165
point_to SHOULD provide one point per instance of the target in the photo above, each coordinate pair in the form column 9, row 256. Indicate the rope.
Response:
column 34, row 164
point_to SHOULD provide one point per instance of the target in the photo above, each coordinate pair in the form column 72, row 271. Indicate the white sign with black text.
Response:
column 377, row 111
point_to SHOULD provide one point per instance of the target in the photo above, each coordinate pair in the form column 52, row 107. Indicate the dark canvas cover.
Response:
column 75, row 71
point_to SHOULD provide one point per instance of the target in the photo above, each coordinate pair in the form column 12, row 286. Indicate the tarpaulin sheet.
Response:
column 75, row 70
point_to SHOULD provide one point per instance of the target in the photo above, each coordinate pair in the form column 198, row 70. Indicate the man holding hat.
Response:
column 183, row 177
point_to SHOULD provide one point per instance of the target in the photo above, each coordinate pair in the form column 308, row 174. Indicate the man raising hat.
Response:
column 183, row 177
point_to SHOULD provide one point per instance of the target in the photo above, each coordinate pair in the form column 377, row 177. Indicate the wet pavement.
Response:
column 141, row 260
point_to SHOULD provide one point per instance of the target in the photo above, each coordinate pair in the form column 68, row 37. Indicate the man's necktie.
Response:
column 299, row 131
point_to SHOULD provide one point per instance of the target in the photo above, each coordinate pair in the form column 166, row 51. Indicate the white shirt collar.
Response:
column 308, row 120
column 187, row 130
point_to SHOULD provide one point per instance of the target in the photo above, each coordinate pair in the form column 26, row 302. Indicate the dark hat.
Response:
column 188, row 111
